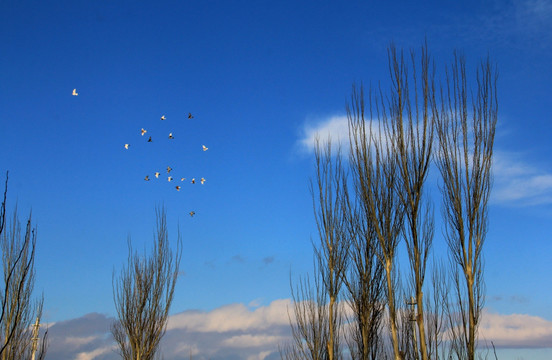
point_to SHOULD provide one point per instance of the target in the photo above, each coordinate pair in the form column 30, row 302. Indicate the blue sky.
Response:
column 257, row 76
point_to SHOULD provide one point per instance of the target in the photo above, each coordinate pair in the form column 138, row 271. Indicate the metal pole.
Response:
column 412, row 304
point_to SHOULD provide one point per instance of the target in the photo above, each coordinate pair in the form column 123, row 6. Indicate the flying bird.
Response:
column 149, row 140
column 205, row 148
column 169, row 169
column 75, row 93
column 147, row 178
column 157, row 174
column 193, row 181
column 169, row 179
column 192, row 213
column 126, row 146
column 163, row 117
column 177, row 188
column 202, row 181
column 190, row 116
column 170, row 136
column 144, row 131
column 182, row 179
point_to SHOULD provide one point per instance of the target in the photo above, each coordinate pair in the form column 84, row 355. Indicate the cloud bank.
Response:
column 237, row 331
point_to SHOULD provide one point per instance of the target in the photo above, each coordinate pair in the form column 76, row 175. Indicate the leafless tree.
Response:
column 465, row 128
column 19, row 340
column 391, row 148
column 318, row 314
column 411, row 111
column 365, row 283
column 143, row 294
column 309, row 322
column 328, row 192
column 435, row 310
column 376, row 175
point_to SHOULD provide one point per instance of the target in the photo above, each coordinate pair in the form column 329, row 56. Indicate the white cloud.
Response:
column 334, row 128
column 80, row 341
column 518, row 182
column 248, row 340
column 516, row 330
column 231, row 318
column 261, row 356
column 94, row 354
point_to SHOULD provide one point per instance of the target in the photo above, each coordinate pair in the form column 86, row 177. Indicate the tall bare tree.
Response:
column 318, row 311
column 465, row 127
column 365, row 284
column 19, row 310
column 391, row 148
column 143, row 294
column 328, row 192
column 376, row 175
column 411, row 109
column 309, row 321
column 435, row 310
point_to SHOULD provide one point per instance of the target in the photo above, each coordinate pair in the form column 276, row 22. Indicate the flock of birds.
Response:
column 157, row 174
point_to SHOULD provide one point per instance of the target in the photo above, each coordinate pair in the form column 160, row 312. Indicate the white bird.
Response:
column 193, row 181
column 126, row 146
column 205, row 148
column 144, row 131
column 170, row 136
column 157, row 174
column 182, row 179
column 202, row 181
column 163, row 117
column 75, row 93
column 169, row 178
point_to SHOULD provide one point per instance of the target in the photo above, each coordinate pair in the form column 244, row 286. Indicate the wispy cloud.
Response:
column 238, row 259
column 511, row 23
column 517, row 182
column 520, row 183
column 334, row 128
column 268, row 260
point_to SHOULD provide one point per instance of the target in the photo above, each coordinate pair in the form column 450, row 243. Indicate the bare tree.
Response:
column 19, row 310
column 466, row 136
column 309, row 322
column 391, row 149
column 435, row 308
column 318, row 311
column 328, row 192
column 411, row 109
column 376, row 175
column 365, row 282
column 143, row 294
